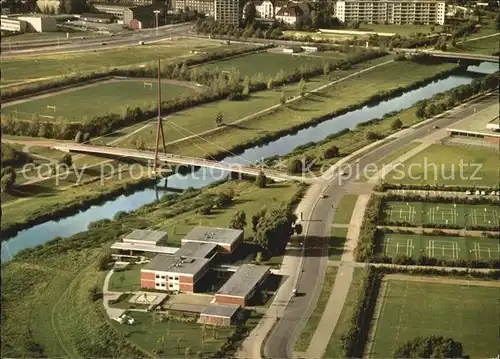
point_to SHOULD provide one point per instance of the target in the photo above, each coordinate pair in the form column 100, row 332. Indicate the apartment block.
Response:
column 203, row 6
column 227, row 11
column 391, row 12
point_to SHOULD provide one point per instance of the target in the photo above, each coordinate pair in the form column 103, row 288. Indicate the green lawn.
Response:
column 40, row 36
column 462, row 215
column 344, row 210
column 388, row 159
column 468, row 314
column 250, row 200
column 334, row 345
column 95, row 100
column 440, row 164
column 29, row 68
column 487, row 46
column 336, row 243
column 269, row 64
column 440, row 247
column 324, row 102
column 128, row 280
column 403, row 30
column 147, row 334
column 307, row 333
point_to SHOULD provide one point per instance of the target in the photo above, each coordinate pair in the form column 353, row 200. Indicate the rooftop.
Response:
column 144, row 248
column 479, row 121
column 186, row 265
column 244, row 280
column 221, row 236
column 290, row 11
column 196, row 249
column 217, row 310
column 146, row 236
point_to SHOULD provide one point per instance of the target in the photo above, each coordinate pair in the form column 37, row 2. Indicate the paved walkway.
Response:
column 343, row 280
column 107, row 296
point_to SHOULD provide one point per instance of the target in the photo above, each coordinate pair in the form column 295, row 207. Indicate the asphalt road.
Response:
column 283, row 337
column 51, row 46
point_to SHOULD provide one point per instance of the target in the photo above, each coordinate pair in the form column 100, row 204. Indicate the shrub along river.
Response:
column 70, row 225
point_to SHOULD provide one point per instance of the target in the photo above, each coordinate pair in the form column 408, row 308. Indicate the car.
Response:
column 478, row 193
column 345, row 173
column 483, row 193
column 103, row 43
column 435, row 127
column 498, row 193
column 323, row 195
column 294, row 292
column 141, row 42
column 492, row 193
column 468, row 193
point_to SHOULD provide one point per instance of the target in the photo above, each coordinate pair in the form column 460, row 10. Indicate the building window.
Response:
column 170, row 285
column 171, row 278
column 162, row 277
column 176, row 278
column 157, row 276
column 157, row 284
column 163, row 284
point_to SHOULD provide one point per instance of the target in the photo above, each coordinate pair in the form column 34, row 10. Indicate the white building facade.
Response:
column 391, row 12
column 227, row 11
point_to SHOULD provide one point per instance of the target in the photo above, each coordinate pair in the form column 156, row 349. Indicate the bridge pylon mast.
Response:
column 159, row 126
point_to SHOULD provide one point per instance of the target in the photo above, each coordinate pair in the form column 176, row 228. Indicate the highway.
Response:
column 77, row 44
column 281, row 341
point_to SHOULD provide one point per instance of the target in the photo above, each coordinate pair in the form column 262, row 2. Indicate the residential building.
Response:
column 216, row 314
column 227, row 11
column 174, row 273
column 122, row 13
column 228, row 239
column 97, row 17
column 289, row 15
column 242, row 285
column 267, row 9
column 391, row 11
column 203, row 6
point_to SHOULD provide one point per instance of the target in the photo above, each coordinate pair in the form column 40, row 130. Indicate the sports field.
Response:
column 468, row 314
column 463, row 215
column 440, row 247
column 269, row 64
column 35, row 68
column 95, row 100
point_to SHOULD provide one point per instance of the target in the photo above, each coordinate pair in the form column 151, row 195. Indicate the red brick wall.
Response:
column 147, row 284
column 147, row 280
column 216, row 320
column 491, row 139
column 222, row 299
column 186, row 287
column 186, row 279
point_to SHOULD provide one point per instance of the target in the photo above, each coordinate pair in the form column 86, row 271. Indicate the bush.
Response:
column 261, row 180
column 433, row 346
column 331, row 152
column 396, row 124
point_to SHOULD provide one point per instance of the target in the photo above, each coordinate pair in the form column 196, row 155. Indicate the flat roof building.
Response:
column 391, row 11
column 197, row 250
column 173, row 273
column 140, row 242
column 242, row 285
column 217, row 314
column 226, row 238
column 227, row 11
column 146, row 237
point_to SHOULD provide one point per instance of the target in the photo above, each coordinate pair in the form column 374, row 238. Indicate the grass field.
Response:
column 128, row 280
column 98, row 99
column 487, row 46
column 269, row 64
column 440, row 247
column 344, row 210
column 336, row 243
column 321, row 103
column 334, row 345
column 463, row 215
column 307, row 333
column 403, row 30
column 468, row 314
column 440, row 164
column 29, row 68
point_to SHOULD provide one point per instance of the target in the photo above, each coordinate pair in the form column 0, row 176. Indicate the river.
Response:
column 70, row 225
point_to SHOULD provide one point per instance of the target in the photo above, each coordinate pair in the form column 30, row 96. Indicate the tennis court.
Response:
column 462, row 215
column 440, row 247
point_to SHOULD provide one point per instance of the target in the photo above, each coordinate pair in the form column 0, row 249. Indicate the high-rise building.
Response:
column 227, row 11
column 391, row 11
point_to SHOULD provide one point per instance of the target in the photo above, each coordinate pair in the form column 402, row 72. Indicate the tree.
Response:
column 68, row 7
column 326, row 68
column 421, row 110
column 246, row 86
column 274, row 229
column 371, row 135
column 139, row 143
column 179, row 345
column 238, row 220
column 187, row 352
column 434, row 346
column 295, row 166
column 302, row 87
column 8, row 180
column 258, row 257
column 250, row 13
column 261, row 180
column 396, row 124
column 199, row 354
column 219, row 119
column 270, row 84
column 257, row 217
column 282, row 98
column 66, row 160
column 331, row 152
column 497, row 22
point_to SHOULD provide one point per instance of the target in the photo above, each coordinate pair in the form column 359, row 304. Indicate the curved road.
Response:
column 282, row 339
